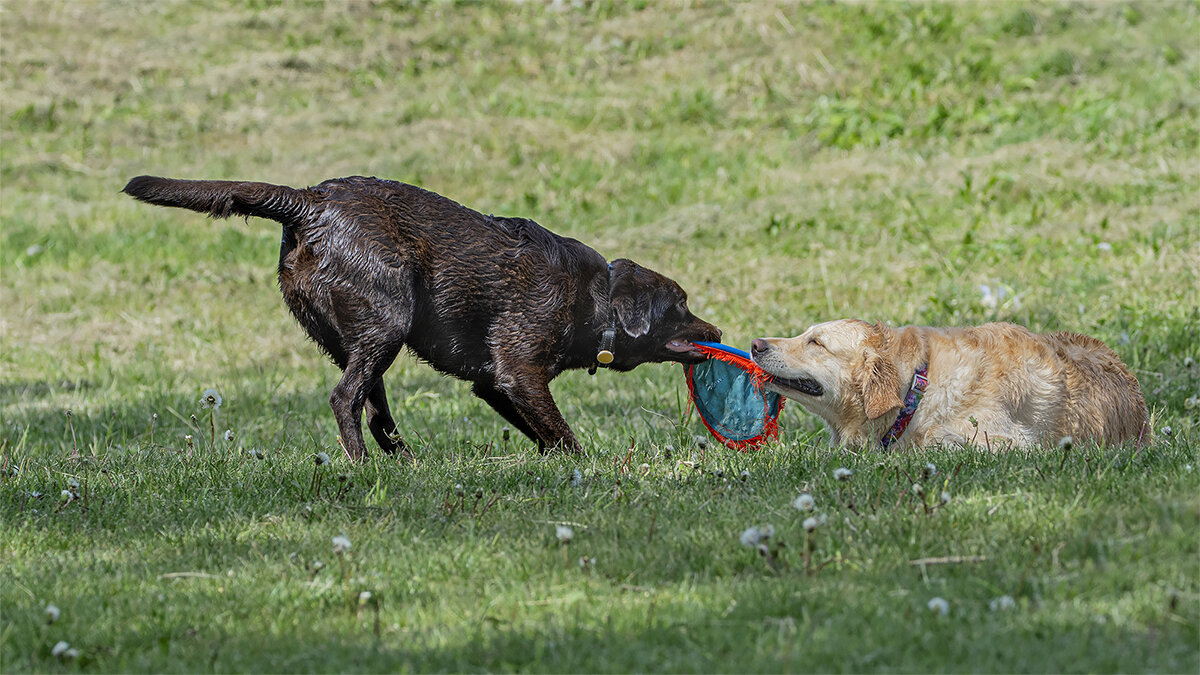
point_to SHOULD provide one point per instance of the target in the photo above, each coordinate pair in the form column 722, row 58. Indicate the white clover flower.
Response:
column 1187, row 468
column 811, row 524
column 229, row 435
column 945, row 497
column 321, row 458
column 918, row 490
column 33, row 250
column 60, row 648
column 341, row 544
column 804, row 502
column 842, row 473
column 1001, row 603
column 938, row 606
column 364, row 597
column 210, row 399
column 644, row 468
column 1104, row 246
column 564, row 533
column 52, row 613
column 1066, row 442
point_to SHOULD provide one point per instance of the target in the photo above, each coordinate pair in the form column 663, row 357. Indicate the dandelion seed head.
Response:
column 364, row 597
column 842, row 473
column 644, row 467
column 1188, row 362
column 917, row 489
column 804, row 502
column 67, row 495
column 564, row 533
column 576, row 478
column 744, row 475
column 321, row 458
column 938, row 606
column 811, row 524
column 1002, row 603
column 229, row 435
column 210, row 399
column 458, row 490
column 257, row 454
column 1167, row 430
column 1066, row 442
column 478, row 493
column 753, row 536
column 60, row 648
column 71, row 654
column 72, row 484
column 930, row 470
column 945, row 497
column 341, row 544
column 1104, row 246
column 52, row 613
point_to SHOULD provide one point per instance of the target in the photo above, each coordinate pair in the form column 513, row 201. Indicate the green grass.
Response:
column 786, row 164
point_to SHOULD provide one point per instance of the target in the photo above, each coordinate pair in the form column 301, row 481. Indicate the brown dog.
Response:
column 369, row 266
column 997, row 384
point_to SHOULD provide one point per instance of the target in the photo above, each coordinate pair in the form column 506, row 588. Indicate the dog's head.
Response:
column 653, row 320
column 843, row 370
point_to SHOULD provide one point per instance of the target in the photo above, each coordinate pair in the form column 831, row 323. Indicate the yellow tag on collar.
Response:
column 604, row 356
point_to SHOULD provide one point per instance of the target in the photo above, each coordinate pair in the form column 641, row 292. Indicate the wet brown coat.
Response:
column 371, row 266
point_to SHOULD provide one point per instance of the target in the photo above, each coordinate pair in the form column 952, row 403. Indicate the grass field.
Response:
column 785, row 163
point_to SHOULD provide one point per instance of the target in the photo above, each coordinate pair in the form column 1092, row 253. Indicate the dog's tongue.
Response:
column 681, row 346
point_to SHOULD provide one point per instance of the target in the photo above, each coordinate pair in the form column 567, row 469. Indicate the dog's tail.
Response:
column 224, row 198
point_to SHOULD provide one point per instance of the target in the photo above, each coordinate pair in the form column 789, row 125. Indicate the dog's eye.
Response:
column 816, row 342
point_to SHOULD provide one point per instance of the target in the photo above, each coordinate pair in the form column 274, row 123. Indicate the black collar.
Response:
column 604, row 355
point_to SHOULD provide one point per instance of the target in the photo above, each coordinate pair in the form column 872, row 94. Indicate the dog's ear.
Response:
column 878, row 379
column 633, row 313
column 630, row 297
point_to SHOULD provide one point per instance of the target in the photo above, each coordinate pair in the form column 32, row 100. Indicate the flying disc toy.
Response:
column 728, row 394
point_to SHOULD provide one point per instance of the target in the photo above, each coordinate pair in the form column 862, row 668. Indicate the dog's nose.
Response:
column 759, row 346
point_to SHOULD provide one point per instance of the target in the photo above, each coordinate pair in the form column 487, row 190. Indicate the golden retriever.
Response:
column 997, row 384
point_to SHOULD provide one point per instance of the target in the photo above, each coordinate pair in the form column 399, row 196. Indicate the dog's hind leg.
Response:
column 364, row 371
column 380, row 422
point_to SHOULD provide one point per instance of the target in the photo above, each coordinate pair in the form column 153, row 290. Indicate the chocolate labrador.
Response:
column 369, row 266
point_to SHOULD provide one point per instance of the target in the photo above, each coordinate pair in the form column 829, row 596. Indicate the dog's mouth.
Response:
column 685, row 351
column 802, row 385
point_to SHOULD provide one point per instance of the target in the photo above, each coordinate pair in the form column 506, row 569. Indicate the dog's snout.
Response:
column 759, row 346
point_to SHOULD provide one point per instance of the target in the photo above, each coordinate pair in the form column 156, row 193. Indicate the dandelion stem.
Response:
column 74, row 442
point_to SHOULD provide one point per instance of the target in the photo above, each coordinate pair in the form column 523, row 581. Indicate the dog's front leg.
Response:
column 530, row 395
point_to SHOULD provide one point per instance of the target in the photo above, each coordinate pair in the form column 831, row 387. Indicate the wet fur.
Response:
column 371, row 266
column 1022, row 388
